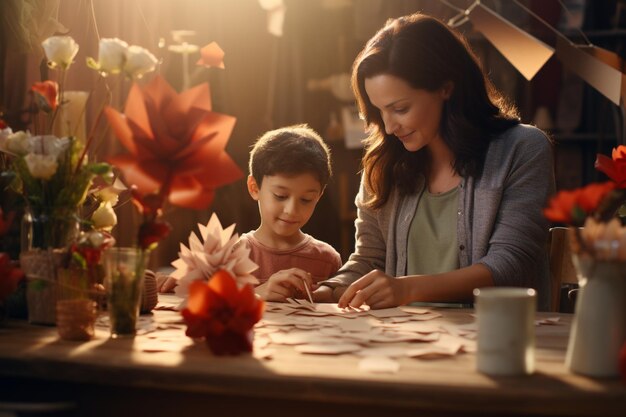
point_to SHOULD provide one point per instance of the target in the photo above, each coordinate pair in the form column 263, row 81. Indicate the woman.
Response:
column 453, row 185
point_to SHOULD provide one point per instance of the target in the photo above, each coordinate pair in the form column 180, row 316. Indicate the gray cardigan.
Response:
column 500, row 221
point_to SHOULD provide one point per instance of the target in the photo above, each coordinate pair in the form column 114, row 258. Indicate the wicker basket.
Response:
column 150, row 298
column 40, row 266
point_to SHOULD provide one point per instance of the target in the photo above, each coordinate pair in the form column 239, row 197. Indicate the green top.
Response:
column 432, row 241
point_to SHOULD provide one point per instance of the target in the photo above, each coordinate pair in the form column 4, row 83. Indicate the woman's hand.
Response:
column 288, row 283
column 376, row 289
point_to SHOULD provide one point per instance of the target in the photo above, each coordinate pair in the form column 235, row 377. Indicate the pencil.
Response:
column 308, row 293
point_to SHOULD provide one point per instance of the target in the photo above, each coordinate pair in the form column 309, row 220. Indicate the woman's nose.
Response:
column 390, row 125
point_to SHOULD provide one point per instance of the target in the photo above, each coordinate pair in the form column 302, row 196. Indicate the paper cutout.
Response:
column 609, row 58
column 525, row 52
column 215, row 249
column 549, row 321
column 604, row 78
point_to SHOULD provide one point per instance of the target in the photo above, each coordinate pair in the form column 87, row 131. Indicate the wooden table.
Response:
column 114, row 377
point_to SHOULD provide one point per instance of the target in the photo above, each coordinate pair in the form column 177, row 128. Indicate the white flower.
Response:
column 112, row 55
column 17, row 143
column 219, row 251
column 41, row 166
column 104, row 217
column 48, row 145
column 4, row 134
column 107, row 195
column 60, row 51
column 138, row 62
column 95, row 238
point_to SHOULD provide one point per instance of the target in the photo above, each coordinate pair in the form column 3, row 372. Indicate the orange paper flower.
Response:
column 615, row 167
column 176, row 144
column 211, row 55
column 572, row 207
column 222, row 313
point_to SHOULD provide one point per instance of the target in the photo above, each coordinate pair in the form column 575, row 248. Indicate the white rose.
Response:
column 48, row 145
column 138, row 62
column 18, row 143
column 60, row 51
column 104, row 217
column 112, row 55
column 41, row 166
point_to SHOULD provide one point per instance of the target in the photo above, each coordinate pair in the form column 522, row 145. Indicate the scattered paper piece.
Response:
column 549, row 321
column 263, row 353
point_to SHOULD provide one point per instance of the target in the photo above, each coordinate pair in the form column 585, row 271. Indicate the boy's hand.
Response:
column 288, row 283
column 326, row 294
column 165, row 283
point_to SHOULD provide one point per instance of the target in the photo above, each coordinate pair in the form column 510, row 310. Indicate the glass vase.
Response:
column 49, row 229
column 599, row 324
column 124, row 271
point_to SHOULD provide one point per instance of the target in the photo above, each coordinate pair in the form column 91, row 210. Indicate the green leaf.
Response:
column 79, row 259
column 101, row 168
column 578, row 216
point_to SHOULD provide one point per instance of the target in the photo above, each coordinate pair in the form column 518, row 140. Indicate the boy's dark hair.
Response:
column 290, row 151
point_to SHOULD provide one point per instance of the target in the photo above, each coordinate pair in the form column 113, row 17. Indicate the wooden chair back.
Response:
column 562, row 270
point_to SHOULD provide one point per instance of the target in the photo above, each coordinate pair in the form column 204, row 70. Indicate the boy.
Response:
column 289, row 169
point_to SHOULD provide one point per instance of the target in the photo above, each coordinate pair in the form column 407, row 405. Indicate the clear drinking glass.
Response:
column 124, row 271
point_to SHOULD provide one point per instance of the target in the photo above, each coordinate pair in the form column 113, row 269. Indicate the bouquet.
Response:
column 593, row 211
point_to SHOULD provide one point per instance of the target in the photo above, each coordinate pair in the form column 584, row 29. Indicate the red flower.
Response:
column 6, row 221
column 3, row 124
column 222, row 313
column 176, row 144
column 572, row 207
column 151, row 231
column 10, row 276
column 614, row 168
column 46, row 93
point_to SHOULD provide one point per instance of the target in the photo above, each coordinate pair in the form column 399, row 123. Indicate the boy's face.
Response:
column 285, row 203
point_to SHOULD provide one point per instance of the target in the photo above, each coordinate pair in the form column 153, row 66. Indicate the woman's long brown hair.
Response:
column 427, row 54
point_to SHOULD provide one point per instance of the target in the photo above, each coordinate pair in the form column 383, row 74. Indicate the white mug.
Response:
column 506, row 330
